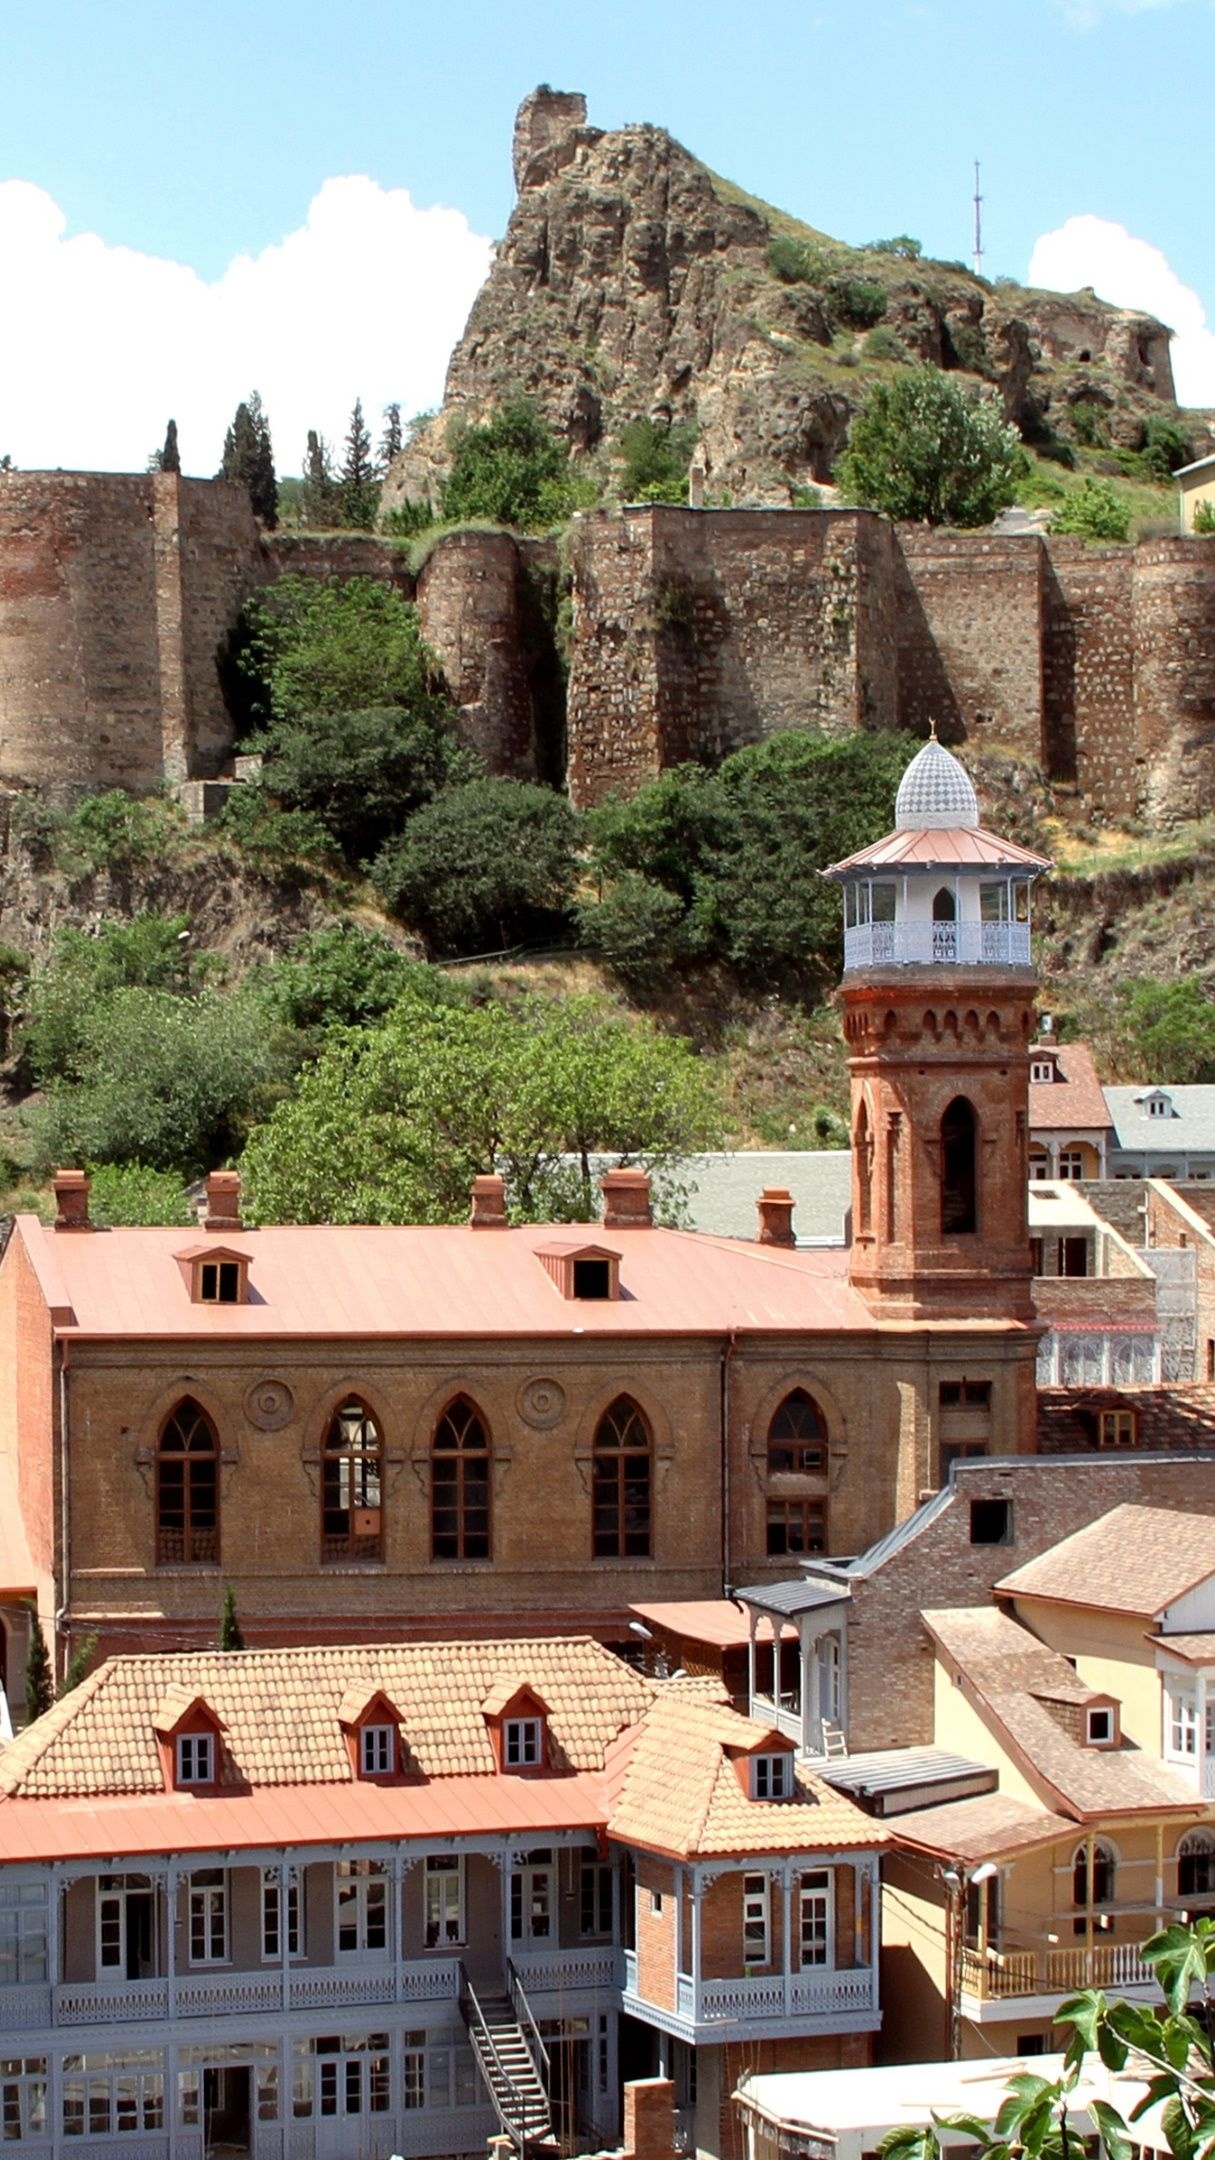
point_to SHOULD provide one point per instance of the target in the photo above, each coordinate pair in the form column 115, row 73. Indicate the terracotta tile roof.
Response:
column 1033, row 1699
column 937, row 846
column 677, row 1790
column 1133, row 1560
column 425, row 1280
column 1075, row 1099
column 987, row 1827
column 282, row 1713
column 1170, row 1416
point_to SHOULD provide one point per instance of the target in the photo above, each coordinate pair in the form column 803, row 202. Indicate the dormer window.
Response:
column 1101, row 1725
column 1117, row 1428
column 377, row 1750
column 1042, row 1069
column 592, row 1278
column 1156, row 1104
column 771, row 1777
column 522, row 1743
column 196, row 1758
column 219, row 1282
column 585, row 1272
column 215, row 1274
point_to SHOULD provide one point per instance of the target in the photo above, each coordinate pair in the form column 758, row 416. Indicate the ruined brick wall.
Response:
column 221, row 559
column 1174, row 630
column 1089, row 654
column 471, row 607
column 969, row 621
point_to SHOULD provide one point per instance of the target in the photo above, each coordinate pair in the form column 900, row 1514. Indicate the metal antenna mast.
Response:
column 978, row 225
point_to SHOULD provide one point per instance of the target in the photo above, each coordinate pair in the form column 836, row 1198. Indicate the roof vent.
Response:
column 488, row 1203
column 223, row 1200
column 626, row 1200
column 72, row 1200
column 776, row 1216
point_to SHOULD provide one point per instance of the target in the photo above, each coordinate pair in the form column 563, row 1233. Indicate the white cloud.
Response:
column 365, row 299
column 1086, row 14
column 1132, row 273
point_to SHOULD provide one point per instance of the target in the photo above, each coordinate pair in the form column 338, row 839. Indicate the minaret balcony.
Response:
column 937, row 944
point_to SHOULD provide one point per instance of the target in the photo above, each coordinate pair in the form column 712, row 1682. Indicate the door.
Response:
column 227, row 2115
column 531, row 1898
column 126, row 1927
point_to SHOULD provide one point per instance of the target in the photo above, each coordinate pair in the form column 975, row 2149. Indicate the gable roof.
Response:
column 1190, row 1125
column 1132, row 1560
column 1170, row 1416
column 1076, row 1099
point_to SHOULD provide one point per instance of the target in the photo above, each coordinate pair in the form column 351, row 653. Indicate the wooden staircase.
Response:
column 513, row 2062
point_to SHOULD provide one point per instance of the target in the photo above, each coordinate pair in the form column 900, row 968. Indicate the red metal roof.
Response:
column 715, row 1621
column 945, row 848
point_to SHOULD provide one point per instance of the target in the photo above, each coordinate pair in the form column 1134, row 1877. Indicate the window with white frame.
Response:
column 376, row 1750
column 353, row 2075
column 361, row 1888
column 23, row 1934
column 272, row 1914
column 1071, row 1164
column 523, row 1743
column 208, row 1917
column 23, row 2099
column 1181, row 1720
column 439, row 2071
column 771, row 1776
column 595, row 1908
column 1042, row 1070
column 196, row 1758
column 194, row 2062
column 110, row 2094
column 1100, row 1726
column 757, row 1910
column 444, row 1900
column 814, row 1918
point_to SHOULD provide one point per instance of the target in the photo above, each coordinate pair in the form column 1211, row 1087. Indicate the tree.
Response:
column 656, row 460
column 392, row 1124
column 81, row 973
column 39, row 1679
column 486, row 865
column 1166, row 1030
column 921, row 448
column 230, row 1636
column 1094, row 510
column 170, row 456
column 392, row 441
column 343, row 646
column 319, row 494
column 512, row 469
column 248, row 459
column 360, row 488
column 362, row 774
column 78, row 1665
column 342, row 976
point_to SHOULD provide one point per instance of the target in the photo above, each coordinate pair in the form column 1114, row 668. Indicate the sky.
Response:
column 203, row 197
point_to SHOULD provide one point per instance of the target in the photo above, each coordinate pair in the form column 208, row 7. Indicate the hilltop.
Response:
column 633, row 282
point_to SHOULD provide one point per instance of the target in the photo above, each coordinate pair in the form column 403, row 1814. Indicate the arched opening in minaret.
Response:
column 862, row 1155
column 959, row 1138
column 944, row 906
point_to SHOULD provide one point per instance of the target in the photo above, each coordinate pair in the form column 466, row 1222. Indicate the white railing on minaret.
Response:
column 931, row 944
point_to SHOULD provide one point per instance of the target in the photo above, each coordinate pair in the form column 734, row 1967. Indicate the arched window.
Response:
column 797, row 1436
column 459, row 1485
column 862, row 1153
column 959, row 1150
column 621, row 1483
column 944, row 905
column 352, row 1520
column 187, row 1490
column 1105, row 1867
column 1196, row 1864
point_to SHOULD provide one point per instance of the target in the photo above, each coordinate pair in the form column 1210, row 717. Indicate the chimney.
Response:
column 776, row 1217
column 626, row 1200
column 488, row 1203
column 223, row 1200
column 72, row 1200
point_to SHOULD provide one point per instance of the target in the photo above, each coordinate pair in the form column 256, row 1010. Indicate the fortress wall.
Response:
column 220, row 560
column 80, row 661
column 1173, row 603
column 471, row 614
column 1089, row 672
column 612, row 719
column 338, row 555
column 970, row 637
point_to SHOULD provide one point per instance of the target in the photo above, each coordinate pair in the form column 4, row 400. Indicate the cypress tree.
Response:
column 392, row 441
column 39, row 1680
column 360, row 490
column 78, row 1665
column 317, row 504
column 170, row 456
column 230, row 1636
column 248, row 459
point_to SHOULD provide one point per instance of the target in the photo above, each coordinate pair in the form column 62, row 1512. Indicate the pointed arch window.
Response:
column 459, row 1485
column 622, row 1480
column 352, row 1515
column 959, row 1156
column 187, row 1489
column 862, row 1148
column 797, row 1436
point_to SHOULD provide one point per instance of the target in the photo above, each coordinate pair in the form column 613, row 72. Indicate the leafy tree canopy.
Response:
column 82, row 972
column 344, row 645
column 122, row 1194
column 248, row 459
column 360, row 775
column 921, row 448
column 511, row 469
column 1166, row 1030
column 656, row 460
column 341, row 976
column 392, row 1124
column 483, row 866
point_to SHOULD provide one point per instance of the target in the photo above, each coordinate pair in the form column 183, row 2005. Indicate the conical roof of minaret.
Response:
column 936, row 793
column 937, row 824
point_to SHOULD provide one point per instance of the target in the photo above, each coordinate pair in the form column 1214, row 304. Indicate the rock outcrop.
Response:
column 633, row 282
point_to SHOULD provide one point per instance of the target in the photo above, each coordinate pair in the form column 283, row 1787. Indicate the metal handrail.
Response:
column 483, row 2040
column 523, row 2009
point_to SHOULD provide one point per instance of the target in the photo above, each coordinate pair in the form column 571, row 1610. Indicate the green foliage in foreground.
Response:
column 341, row 976
column 39, row 1679
column 392, row 1124
column 1204, row 517
column 1169, row 2048
column 231, row 1635
column 514, row 469
column 1166, row 1031
column 1095, row 511
column 82, row 972
column 125, row 1194
column 921, row 448
column 338, row 646
column 484, row 866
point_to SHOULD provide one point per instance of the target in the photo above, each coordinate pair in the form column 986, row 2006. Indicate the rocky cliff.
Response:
column 632, row 281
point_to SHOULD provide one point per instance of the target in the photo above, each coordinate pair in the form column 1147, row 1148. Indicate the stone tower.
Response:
column 938, row 993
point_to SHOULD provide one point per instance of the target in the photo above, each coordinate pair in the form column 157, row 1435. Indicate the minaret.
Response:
column 938, row 993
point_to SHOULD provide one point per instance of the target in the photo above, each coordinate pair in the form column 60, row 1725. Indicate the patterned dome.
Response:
column 935, row 792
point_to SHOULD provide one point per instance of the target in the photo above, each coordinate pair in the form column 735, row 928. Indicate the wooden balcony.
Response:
column 226, row 1992
column 1051, row 1969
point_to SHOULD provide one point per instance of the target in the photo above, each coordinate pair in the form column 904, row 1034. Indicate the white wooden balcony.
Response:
column 565, row 1971
column 1048, row 1969
column 224, row 1992
column 931, row 944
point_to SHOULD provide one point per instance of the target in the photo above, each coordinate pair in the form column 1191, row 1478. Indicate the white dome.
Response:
column 935, row 792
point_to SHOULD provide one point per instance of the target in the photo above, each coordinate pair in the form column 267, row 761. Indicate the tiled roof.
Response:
column 1133, row 1560
column 324, row 1280
column 1192, row 1649
column 679, row 1791
column 1169, row 1416
column 987, row 1827
column 282, row 1710
column 1075, row 1099
column 1034, row 1699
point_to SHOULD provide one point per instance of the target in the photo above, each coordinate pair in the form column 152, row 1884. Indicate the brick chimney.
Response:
column 776, row 1217
column 488, row 1203
column 626, row 1200
column 72, row 1200
column 223, row 1200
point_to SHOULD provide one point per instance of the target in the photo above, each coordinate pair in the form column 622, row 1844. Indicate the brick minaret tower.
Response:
column 938, row 992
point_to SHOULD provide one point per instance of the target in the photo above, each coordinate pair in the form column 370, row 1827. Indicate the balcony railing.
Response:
column 772, row 1995
column 929, row 944
column 211, row 1994
column 999, row 1975
column 598, row 1966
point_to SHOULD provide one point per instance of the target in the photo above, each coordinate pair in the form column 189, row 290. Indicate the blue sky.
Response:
column 199, row 133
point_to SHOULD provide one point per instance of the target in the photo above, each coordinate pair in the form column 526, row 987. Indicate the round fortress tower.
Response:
column 938, row 993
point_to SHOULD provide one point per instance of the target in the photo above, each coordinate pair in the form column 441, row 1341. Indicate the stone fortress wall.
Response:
column 694, row 632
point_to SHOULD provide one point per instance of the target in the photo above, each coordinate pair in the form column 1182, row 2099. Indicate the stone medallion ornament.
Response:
column 542, row 1403
column 269, row 1405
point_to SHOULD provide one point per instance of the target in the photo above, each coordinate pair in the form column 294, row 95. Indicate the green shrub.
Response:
column 342, row 976
column 360, row 775
column 858, row 302
column 407, row 519
column 656, row 456
column 1204, row 516
column 114, row 831
column 970, row 348
column 1088, row 424
column 1165, row 448
column 81, row 972
column 513, row 469
column 335, row 646
column 800, row 262
column 121, row 1194
column 903, row 246
column 276, row 841
column 922, row 448
column 1094, row 511
column 637, row 928
column 484, row 866
column 884, row 344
